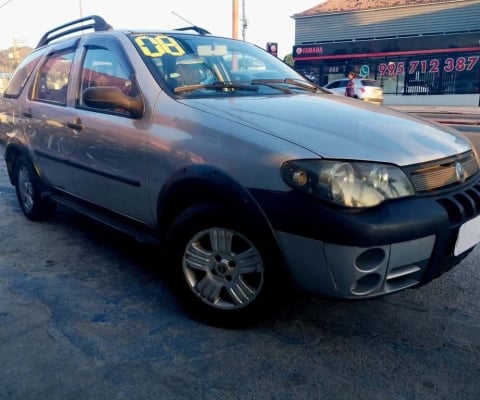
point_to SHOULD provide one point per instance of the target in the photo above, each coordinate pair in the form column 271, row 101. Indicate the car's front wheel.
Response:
column 28, row 191
column 222, row 267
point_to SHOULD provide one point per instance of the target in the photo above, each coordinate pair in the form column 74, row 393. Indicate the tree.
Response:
column 9, row 58
column 288, row 59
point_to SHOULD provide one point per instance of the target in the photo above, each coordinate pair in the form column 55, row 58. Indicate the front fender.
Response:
column 200, row 184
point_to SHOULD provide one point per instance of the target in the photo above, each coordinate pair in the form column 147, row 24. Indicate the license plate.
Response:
column 468, row 236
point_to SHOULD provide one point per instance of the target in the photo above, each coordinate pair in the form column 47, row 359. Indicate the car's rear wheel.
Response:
column 27, row 186
column 222, row 267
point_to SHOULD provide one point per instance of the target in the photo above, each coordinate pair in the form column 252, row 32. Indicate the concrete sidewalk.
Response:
column 439, row 109
column 451, row 115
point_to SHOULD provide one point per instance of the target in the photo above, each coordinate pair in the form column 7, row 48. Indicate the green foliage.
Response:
column 288, row 59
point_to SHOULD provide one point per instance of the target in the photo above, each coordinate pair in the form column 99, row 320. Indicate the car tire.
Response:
column 221, row 267
column 27, row 187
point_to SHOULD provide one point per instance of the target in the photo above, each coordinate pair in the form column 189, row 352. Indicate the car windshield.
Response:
column 206, row 66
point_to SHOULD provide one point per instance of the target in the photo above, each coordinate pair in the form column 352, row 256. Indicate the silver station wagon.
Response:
column 251, row 180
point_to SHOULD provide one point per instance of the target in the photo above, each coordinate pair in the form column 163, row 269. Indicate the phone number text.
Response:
column 432, row 66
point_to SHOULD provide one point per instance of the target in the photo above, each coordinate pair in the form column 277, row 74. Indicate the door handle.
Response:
column 76, row 124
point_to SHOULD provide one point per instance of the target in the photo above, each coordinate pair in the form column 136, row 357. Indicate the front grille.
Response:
column 462, row 206
column 454, row 170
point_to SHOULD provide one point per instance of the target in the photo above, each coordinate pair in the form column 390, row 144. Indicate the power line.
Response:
column 4, row 4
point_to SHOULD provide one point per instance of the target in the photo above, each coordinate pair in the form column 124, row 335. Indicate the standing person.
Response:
column 350, row 88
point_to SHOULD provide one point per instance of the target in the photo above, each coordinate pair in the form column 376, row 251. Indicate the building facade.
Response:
column 425, row 48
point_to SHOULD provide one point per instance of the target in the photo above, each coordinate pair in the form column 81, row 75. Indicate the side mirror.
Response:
column 111, row 98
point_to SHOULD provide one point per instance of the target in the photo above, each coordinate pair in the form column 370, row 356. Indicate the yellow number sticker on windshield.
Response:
column 170, row 45
column 159, row 45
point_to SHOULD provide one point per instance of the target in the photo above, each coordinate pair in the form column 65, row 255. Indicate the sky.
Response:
column 25, row 21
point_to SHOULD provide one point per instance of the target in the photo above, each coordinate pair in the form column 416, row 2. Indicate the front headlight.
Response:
column 349, row 184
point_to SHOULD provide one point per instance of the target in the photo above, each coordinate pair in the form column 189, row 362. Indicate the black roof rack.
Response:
column 98, row 24
column 195, row 28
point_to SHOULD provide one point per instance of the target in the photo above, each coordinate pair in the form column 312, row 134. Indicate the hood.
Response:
column 340, row 128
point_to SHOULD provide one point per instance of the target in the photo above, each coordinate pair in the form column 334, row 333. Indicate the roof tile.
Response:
column 334, row 6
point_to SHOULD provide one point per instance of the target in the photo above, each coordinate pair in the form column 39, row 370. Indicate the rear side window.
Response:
column 52, row 78
column 334, row 85
column 369, row 82
column 22, row 73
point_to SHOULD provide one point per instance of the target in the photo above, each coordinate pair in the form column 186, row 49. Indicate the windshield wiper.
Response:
column 218, row 86
column 274, row 83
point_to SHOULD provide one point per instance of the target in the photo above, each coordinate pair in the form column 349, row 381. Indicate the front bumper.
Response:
column 369, row 253
column 374, row 100
column 361, row 272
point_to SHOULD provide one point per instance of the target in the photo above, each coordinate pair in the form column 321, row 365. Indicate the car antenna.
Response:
column 192, row 26
column 186, row 20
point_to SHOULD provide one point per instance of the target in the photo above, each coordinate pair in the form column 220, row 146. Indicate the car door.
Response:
column 342, row 86
column 110, row 145
column 337, row 86
column 47, row 114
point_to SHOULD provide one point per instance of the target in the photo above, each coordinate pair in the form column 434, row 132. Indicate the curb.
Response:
column 460, row 115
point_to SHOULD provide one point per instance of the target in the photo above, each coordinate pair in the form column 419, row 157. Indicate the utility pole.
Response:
column 235, row 19
column 244, row 21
